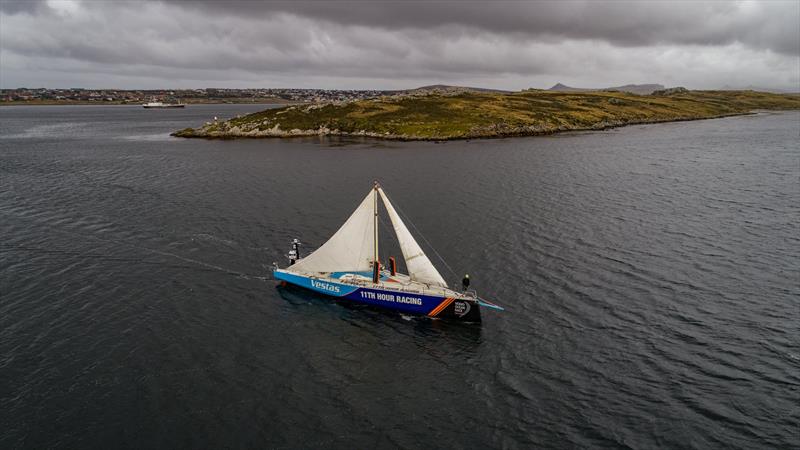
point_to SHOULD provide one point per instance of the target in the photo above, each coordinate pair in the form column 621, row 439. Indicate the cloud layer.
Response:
column 361, row 44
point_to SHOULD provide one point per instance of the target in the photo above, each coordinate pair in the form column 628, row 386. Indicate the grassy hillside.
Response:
column 490, row 114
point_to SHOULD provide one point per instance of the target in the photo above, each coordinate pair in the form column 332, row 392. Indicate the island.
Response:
column 446, row 114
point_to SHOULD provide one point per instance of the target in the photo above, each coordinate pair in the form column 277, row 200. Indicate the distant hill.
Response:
column 641, row 89
column 564, row 88
column 444, row 88
column 757, row 89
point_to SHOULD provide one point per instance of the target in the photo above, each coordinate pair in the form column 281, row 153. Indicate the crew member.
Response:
column 294, row 253
column 296, row 247
column 465, row 282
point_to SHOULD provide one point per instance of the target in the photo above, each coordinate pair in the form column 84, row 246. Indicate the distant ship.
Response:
column 163, row 105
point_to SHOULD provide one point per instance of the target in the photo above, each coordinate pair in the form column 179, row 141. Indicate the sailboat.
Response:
column 348, row 267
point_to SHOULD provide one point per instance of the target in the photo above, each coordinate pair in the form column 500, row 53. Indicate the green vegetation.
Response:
column 466, row 115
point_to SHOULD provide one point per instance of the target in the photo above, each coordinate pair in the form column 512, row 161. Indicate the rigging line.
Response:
column 452, row 272
column 389, row 226
column 395, row 240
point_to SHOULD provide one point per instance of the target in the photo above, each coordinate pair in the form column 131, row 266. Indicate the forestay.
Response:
column 419, row 266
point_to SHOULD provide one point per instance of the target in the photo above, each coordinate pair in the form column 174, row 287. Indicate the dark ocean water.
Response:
column 651, row 276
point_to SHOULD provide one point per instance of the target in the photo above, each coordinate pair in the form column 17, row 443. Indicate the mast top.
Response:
column 376, row 185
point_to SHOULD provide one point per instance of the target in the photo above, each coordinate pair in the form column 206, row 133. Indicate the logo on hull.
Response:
column 325, row 286
column 461, row 308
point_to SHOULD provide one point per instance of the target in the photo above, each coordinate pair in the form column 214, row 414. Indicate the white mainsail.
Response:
column 419, row 266
column 352, row 248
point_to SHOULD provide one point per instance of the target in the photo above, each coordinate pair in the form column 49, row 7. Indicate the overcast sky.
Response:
column 398, row 44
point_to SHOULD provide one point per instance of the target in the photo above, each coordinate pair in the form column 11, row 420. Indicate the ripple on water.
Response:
column 646, row 272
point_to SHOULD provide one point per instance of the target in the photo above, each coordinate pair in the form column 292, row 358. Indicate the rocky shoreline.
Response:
column 482, row 116
column 276, row 132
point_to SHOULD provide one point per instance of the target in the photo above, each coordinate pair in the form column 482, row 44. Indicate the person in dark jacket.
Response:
column 465, row 282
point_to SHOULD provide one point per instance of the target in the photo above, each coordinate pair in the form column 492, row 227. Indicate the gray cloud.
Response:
column 766, row 25
column 21, row 7
column 399, row 44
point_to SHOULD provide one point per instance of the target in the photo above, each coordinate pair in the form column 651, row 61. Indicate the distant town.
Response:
column 80, row 96
column 207, row 95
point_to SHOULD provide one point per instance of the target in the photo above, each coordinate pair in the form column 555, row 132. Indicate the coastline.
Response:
column 390, row 137
column 485, row 116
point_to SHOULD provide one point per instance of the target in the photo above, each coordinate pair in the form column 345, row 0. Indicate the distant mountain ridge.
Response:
column 449, row 89
column 758, row 89
column 641, row 89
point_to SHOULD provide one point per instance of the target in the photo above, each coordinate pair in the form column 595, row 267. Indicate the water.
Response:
column 650, row 276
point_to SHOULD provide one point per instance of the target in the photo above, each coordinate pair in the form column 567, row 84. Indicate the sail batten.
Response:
column 418, row 264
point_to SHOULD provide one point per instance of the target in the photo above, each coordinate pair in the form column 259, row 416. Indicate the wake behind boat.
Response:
column 347, row 266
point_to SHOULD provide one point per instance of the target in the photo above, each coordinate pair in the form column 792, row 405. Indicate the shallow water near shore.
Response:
column 649, row 275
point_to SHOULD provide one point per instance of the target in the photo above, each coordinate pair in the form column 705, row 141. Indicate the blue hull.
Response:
column 410, row 303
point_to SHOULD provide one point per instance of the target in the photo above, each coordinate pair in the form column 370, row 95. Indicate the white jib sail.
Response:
column 352, row 248
column 419, row 266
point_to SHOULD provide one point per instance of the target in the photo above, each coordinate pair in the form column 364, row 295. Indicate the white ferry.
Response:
column 163, row 105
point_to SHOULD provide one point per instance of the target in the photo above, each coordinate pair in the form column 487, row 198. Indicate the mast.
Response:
column 376, row 271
